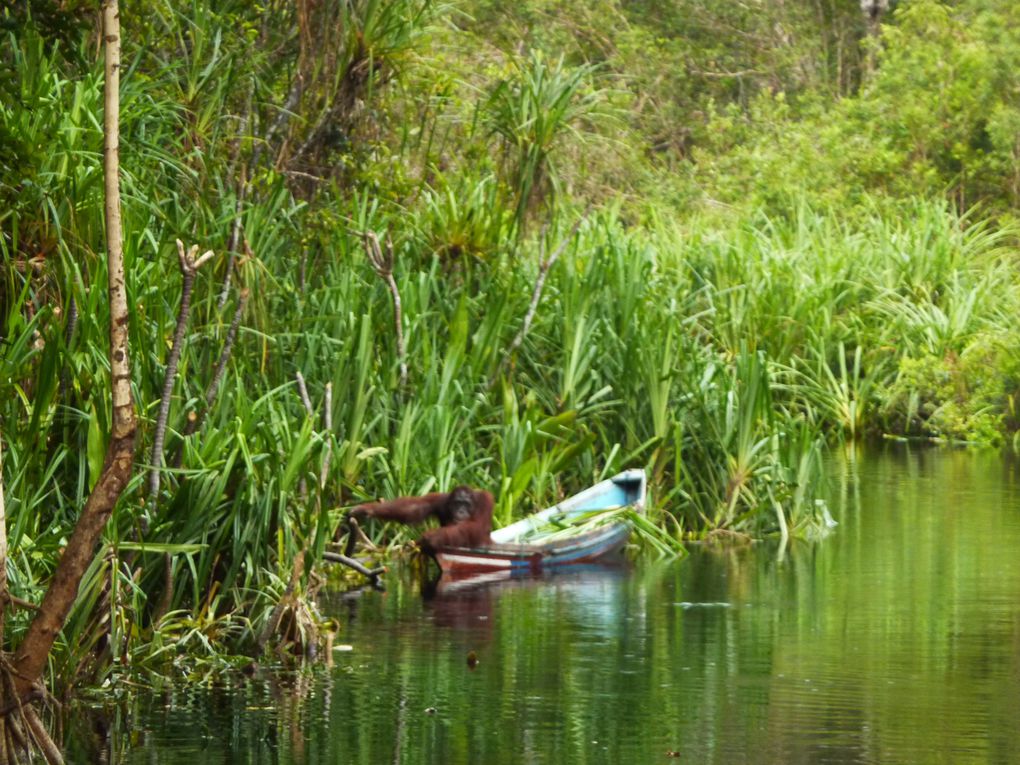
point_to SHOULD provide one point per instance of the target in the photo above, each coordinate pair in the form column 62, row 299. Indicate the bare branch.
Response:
column 189, row 267
column 536, row 294
column 206, row 257
column 195, row 419
column 372, row 573
column 235, row 237
column 242, row 193
column 303, row 391
column 383, row 265
column 324, row 475
column 228, row 344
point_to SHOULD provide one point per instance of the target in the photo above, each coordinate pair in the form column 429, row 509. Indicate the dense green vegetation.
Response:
column 758, row 229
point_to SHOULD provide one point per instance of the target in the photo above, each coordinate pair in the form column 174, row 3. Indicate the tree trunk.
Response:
column 189, row 268
column 31, row 656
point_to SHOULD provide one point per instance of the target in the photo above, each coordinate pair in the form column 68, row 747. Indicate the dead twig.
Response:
column 324, row 475
column 189, row 267
column 383, row 265
column 228, row 346
column 235, row 238
column 536, row 295
column 373, row 574
column 7, row 598
column 303, row 391
column 196, row 418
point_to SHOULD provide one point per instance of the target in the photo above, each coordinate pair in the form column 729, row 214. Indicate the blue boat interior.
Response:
column 626, row 489
column 617, row 493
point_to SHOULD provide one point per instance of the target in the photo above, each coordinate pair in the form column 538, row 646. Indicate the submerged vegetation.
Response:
column 456, row 243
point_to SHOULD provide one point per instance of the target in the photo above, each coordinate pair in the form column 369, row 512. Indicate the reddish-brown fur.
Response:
column 454, row 530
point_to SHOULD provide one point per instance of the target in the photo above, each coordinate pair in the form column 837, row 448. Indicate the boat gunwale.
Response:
column 524, row 550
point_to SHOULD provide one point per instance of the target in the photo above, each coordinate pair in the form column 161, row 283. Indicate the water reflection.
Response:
column 467, row 604
column 897, row 639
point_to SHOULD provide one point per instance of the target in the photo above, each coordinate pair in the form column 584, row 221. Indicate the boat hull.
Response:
column 595, row 546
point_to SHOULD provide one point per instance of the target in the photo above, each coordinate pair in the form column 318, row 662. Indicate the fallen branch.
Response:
column 371, row 573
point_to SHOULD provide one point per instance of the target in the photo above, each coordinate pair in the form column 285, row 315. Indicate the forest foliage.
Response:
column 780, row 224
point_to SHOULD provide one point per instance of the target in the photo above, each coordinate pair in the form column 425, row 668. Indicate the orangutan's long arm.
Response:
column 410, row 510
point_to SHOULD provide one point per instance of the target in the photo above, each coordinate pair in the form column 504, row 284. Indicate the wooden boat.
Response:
column 530, row 546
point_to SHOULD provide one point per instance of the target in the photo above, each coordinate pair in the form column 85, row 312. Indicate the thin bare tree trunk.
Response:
column 31, row 656
column 873, row 11
column 189, row 267
column 303, row 392
column 228, row 345
column 536, row 296
column 324, row 475
column 195, row 418
column 383, row 265
column 235, row 239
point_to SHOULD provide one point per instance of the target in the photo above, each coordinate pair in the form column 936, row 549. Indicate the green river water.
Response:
column 894, row 640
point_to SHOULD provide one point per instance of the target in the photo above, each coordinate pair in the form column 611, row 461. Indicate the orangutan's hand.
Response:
column 358, row 513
